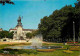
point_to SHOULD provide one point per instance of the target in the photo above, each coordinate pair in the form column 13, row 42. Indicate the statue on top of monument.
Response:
column 19, row 22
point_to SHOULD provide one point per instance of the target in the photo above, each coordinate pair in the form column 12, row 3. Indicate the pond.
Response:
column 34, row 47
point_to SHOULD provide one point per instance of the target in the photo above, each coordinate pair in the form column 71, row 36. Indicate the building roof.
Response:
column 1, row 29
column 13, row 29
column 24, row 29
column 27, row 29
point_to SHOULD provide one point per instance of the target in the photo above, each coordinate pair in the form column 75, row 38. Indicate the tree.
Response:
column 10, row 35
column 59, row 25
column 29, row 35
column 6, row 1
column 36, row 32
column 77, row 18
column 6, row 34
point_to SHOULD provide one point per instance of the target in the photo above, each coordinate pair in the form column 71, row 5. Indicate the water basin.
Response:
column 34, row 47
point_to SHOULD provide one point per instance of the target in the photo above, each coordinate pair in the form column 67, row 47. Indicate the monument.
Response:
column 19, row 35
column 19, row 31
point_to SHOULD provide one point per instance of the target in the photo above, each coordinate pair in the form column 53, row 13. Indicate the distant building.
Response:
column 1, row 29
column 19, row 31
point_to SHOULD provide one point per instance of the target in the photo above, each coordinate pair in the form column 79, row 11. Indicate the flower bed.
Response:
column 74, row 49
column 71, row 42
column 61, row 48
column 45, row 50
column 67, row 51
column 74, row 44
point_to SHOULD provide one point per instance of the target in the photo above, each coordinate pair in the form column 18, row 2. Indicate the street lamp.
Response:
column 74, row 32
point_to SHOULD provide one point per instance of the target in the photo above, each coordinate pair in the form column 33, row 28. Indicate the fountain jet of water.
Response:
column 37, row 41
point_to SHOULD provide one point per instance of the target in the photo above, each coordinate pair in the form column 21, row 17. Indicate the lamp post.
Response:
column 74, row 32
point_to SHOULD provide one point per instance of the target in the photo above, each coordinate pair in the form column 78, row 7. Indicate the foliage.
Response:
column 59, row 25
column 34, row 33
column 6, row 1
column 29, row 35
column 6, row 34
column 18, row 51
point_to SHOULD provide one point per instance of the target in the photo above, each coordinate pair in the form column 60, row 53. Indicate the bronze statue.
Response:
column 19, row 22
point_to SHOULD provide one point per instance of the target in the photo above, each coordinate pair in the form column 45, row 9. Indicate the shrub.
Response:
column 19, row 51
column 27, row 51
column 1, row 51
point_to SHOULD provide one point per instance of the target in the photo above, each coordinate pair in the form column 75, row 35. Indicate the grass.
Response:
column 4, row 45
column 57, row 52
column 18, row 51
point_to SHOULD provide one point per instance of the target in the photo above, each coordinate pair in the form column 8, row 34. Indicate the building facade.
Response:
column 19, row 31
column 1, row 29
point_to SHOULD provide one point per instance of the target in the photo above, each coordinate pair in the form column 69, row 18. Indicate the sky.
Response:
column 31, row 10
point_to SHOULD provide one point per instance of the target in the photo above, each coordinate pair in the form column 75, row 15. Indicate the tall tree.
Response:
column 6, row 34
column 59, row 25
column 29, row 35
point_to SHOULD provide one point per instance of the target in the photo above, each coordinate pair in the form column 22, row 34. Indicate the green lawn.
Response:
column 57, row 52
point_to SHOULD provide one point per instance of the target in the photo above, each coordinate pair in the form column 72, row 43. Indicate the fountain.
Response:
column 37, row 41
